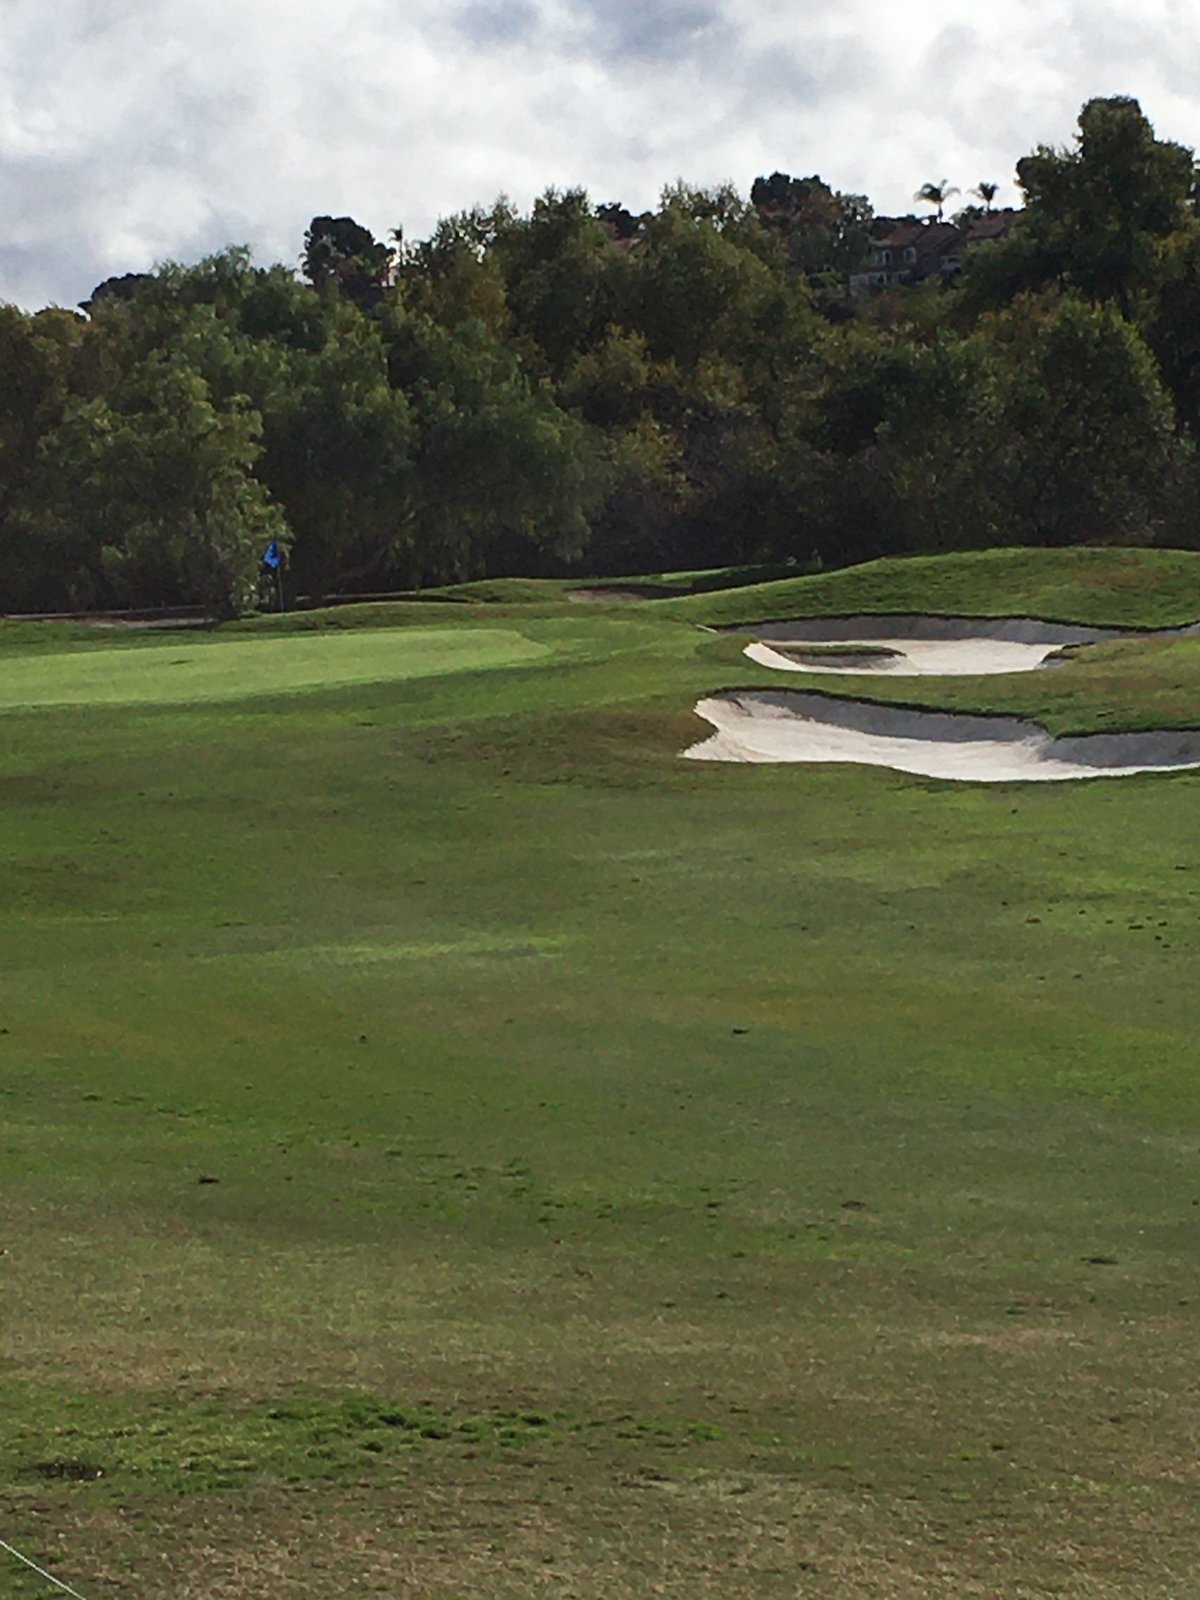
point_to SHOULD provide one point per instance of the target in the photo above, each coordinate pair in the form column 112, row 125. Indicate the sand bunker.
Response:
column 774, row 725
column 915, row 646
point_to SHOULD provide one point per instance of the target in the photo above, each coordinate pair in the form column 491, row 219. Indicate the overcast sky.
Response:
column 136, row 130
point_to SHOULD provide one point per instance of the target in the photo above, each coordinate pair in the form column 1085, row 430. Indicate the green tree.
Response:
column 499, row 469
column 564, row 279
column 1084, row 438
column 341, row 254
column 1172, row 324
column 885, row 449
column 40, row 363
column 697, row 288
column 159, row 482
column 338, row 458
column 455, row 276
column 1097, row 214
column 824, row 231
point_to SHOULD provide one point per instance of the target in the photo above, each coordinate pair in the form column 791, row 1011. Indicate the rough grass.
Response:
column 631, row 1176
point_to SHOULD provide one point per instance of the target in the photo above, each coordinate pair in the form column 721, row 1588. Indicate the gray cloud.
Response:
column 955, row 50
column 656, row 30
column 810, row 74
column 490, row 22
column 133, row 130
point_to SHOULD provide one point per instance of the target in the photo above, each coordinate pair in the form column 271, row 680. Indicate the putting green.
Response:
column 186, row 672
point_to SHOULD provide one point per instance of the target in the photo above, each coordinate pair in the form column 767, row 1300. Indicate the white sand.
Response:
column 918, row 645
column 916, row 658
column 786, row 726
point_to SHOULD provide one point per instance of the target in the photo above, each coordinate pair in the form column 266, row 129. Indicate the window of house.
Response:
column 886, row 257
column 910, row 254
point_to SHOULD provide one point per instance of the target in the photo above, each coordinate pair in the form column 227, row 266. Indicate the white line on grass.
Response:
column 41, row 1571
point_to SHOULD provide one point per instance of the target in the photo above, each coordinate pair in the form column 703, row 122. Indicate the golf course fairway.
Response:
column 451, row 1146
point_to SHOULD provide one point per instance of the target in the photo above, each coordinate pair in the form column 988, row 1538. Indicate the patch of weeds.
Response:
column 202, row 1444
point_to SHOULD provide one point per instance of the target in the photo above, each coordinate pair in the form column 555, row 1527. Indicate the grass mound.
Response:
column 1116, row 588
column 650, row 585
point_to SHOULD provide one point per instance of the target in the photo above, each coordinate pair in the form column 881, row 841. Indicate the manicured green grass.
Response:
column 1119, row 587
column 631, row 1175
column 189, row 671
column 495, row 591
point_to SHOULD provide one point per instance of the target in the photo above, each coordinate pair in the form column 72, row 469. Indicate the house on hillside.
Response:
column 991, row 227
column 908, row 250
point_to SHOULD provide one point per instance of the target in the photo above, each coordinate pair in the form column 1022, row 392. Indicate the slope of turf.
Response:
column 653, row 585
column 451, row 1146
column 1118, row 587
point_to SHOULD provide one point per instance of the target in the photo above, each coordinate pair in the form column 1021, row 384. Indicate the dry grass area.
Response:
column 534, row 1530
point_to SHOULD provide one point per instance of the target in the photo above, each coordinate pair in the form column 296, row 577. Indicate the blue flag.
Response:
column 272, row 556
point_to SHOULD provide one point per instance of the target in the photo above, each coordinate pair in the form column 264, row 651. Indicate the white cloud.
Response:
column 132, row 130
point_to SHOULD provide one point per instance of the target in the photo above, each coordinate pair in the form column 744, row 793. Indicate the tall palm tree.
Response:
column 936, row 194
column 986, row 192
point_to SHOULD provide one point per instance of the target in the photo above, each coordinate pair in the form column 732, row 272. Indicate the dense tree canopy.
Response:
column 582, row 387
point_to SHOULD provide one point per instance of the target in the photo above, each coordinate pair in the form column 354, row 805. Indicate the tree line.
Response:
column 578, row 388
